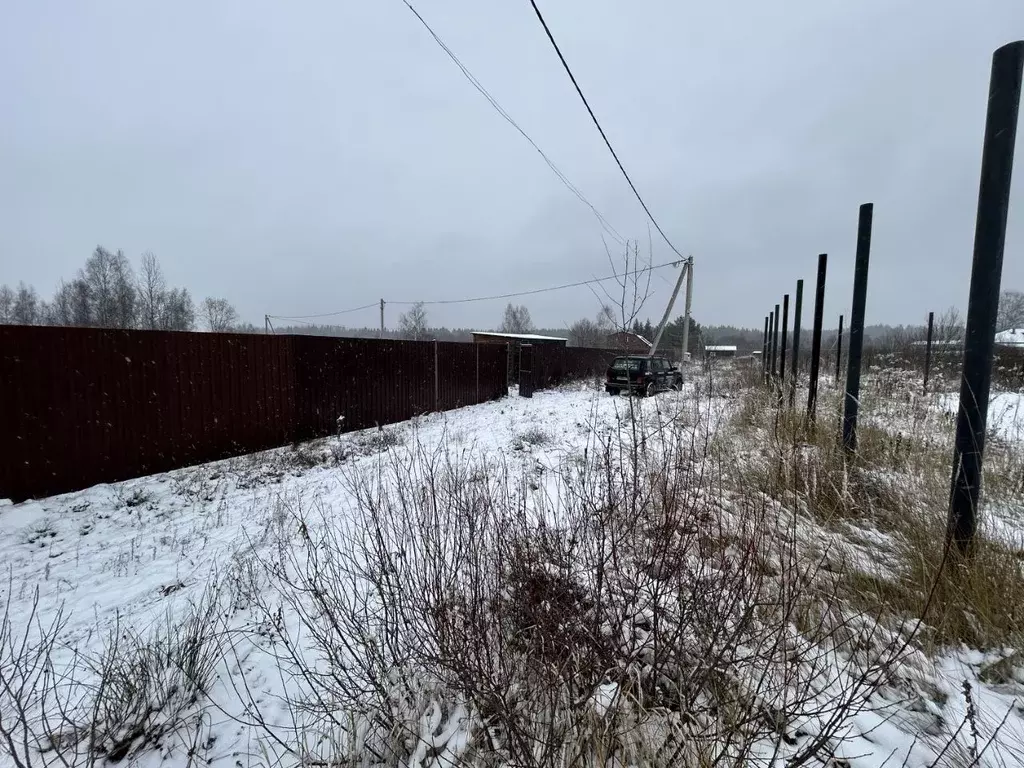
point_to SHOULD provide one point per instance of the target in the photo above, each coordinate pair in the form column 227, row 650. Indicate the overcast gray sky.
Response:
column 304, row 157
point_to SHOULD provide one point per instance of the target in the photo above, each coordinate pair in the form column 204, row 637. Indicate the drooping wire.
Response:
column 535, row 291
column 600, row 130
column 323, row 314
column 511, row 121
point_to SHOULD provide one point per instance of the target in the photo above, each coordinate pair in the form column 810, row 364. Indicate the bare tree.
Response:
column 83, row 311
column 413, row 324
column 516, row 320
column 111, row 290
column 593, row 333
column 1011, row 310
column 585, row 333
column 26, row 306
column 6, row 304
column 949, row 327
column 59, row 311
column 632, row 290
column 178, row 312
column 218, row 315
column 152, row 291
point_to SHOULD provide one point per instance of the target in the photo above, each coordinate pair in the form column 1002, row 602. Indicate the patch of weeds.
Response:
column 151, row 687
column 42, row 534
column 306, row 456
column 170, row 589
column 136, row 498
column 532, row 437
column 380, row 440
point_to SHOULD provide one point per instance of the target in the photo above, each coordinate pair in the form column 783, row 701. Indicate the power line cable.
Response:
column 541, row 290
column 324, row 314
column 532, row 292
column 511, row 121
column 600, row 130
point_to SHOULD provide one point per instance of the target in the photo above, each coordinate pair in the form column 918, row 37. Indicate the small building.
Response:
column 720, row 350
column 624, row 341
column 493, row 337
column 513, row 341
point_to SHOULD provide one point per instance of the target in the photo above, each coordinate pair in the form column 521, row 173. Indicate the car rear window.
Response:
column 626, row 363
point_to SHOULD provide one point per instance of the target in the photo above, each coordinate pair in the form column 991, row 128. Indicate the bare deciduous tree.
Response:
column 949, row 327
column 152, row 290
column 1011, row 310
column 623, row 302
column 413, row 324
column 516, row 320
column 111, row 289
column 26, row 310
column 6, row 304
column 178, row 312
column 218, row 315
column 593, row 333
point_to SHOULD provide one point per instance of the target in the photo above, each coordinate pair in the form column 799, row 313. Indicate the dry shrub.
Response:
column 132, row 697
column 635, row 613
column 896, row 484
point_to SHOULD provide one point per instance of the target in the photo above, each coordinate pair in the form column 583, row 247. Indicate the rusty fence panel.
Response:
column 81, row 406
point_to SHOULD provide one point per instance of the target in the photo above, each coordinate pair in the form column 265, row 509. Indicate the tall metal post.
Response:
column 819, row 309
column 797, row 310
column 380, row 334
column 775, row 342
column 686, row 313
column 839, row 349
column 764, row 347
column 771, row 334
column 856, row 344
column 785, row 339
column 928, row 351
column 983, row 301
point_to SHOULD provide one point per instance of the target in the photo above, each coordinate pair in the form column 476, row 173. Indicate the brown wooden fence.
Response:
column 555, row 365
column 80, row 406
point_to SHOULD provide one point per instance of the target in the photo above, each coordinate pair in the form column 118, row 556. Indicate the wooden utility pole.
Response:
column 380, row 334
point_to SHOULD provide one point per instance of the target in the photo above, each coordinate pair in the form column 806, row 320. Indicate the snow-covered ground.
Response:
column 130, row 554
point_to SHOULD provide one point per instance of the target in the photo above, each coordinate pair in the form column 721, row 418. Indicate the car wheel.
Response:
column 614, row 392
column 650, row 389
column 677, row 385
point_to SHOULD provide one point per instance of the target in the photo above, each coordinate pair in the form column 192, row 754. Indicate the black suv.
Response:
column 642, row 375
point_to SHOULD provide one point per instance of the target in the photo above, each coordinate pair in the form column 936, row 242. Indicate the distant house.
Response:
column 720, row 350
column 1014, row 337
column 624, row 341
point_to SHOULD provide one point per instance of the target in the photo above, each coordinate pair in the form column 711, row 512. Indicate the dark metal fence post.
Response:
column 928, row 351
column 785, row 342
column 775, row 343
column 983, row 301
column 860, row 296
column 839, row 349
column 819, row 309
column 797, row 309
column 764, row 348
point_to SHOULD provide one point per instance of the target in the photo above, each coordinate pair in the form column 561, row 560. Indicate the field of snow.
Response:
column 132, row 554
